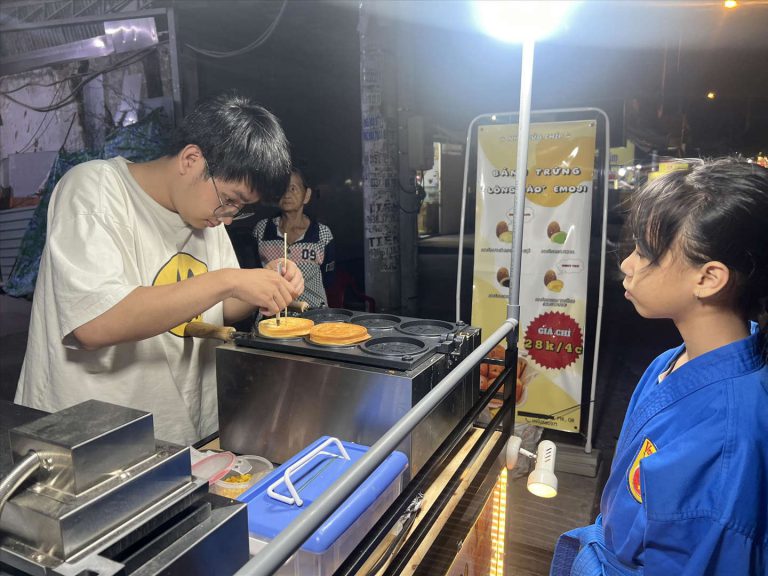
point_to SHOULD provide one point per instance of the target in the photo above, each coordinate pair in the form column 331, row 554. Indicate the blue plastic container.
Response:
column 329, row 546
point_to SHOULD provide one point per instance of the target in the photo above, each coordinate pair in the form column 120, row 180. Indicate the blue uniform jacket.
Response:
column 688, row 489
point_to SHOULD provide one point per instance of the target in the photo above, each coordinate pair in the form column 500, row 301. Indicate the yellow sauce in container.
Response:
column 235, row 482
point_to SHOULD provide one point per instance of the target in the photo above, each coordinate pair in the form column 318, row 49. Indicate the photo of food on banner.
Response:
column 489, row 371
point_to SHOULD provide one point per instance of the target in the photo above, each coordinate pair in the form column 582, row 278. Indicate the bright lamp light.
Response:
column 521, row 20
column 542, row 481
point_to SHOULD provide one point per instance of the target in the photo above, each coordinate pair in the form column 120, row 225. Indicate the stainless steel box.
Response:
column 274, row 404
column 86, row 443
column 66, row 524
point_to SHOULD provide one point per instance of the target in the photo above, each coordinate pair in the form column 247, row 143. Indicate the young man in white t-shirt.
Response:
column 136, row 251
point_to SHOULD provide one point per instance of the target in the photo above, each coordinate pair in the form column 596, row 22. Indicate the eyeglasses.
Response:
column 228, row 209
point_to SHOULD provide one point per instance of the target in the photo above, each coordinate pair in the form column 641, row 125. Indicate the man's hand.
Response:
column 265, row 289
column 291, row 273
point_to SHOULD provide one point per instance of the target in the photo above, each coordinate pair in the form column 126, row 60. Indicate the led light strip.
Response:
column 498, row 524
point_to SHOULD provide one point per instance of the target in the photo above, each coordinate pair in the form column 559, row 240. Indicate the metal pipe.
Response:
column 80, row 20
column 174, row 55
column 516, row 257
column 296, row 533
column 23, row 470
column 464, row 215
column 521, row 173
column 601, row 290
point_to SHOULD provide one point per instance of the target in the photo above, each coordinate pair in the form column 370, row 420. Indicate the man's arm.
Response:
column 151, row 310
column 235, row 310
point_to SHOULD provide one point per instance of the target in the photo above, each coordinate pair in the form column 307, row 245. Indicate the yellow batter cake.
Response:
column 289, row 327
column 338, row 333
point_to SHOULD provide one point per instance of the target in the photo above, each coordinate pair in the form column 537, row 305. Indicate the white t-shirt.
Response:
column 106, row 237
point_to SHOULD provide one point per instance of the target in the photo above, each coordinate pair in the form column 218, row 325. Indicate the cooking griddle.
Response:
column 377, row 321
column 427, row 327
column 323, row 315
column 323, row 345
column 394, row 346
column 387, row 348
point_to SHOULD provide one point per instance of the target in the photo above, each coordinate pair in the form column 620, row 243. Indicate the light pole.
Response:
column 519, row 22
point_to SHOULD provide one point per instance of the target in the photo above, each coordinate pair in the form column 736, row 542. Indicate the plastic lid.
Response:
column 250, row 464
column 214, row 467
column 268, row 517
column 244, row 473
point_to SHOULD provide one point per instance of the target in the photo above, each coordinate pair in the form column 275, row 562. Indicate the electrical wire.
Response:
column 71, row 123
column 43, row 84
column 76, row 90
column 247, row 48
column 40, row 130
column 74, row 93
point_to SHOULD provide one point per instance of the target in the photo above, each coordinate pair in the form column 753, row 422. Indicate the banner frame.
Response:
column 587, row 113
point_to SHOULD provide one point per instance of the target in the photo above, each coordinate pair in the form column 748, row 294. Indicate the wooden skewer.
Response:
column 285, row 260
column 279, row 271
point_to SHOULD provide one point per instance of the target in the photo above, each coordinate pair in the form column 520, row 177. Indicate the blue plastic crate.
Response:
column 324, row 551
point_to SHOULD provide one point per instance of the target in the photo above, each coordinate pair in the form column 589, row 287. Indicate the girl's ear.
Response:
column 713, row 278
column 307, row 195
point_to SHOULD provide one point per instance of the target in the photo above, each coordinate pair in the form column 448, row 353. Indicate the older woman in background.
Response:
column 310, row 244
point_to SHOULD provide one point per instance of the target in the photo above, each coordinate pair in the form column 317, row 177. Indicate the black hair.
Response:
column 301, row 173
column 718, row 210
column 241, row 142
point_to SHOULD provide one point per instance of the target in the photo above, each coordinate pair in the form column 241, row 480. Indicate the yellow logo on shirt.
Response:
column 633, row 478
column 180, row 267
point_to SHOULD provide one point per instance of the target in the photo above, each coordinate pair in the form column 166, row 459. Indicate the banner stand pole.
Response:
column 601, row 291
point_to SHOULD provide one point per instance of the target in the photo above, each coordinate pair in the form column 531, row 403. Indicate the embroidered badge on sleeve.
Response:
column 633, row 478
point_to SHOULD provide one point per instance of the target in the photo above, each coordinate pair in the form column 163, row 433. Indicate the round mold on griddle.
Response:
column 283, row 339
column 394, row 346
column 256, row 336
column 377, row 321
column 427, row 327
column 319, row 345
column 323, row 315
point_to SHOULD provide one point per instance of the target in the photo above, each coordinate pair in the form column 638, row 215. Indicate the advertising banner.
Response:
column 553, row 286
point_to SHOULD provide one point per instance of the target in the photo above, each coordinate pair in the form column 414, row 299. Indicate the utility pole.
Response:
column 378, row 90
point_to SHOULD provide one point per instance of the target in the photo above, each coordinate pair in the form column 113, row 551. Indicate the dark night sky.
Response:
column 613, row 56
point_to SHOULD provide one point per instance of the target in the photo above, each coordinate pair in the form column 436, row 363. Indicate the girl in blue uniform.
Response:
column 688, row 489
